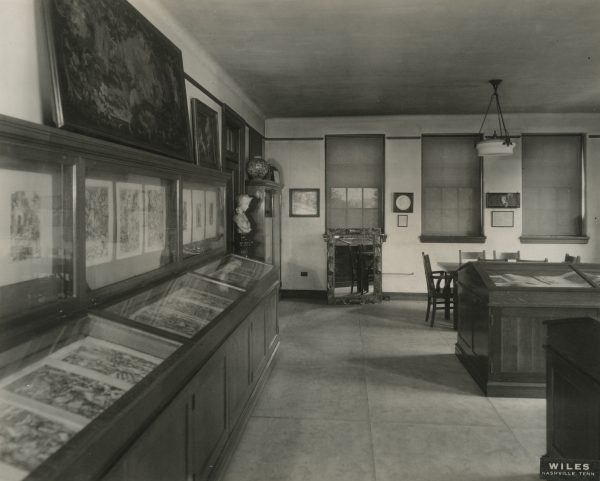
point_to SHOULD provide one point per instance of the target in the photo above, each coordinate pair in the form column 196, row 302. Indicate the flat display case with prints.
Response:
column 236, row 271
column 53, row 386
column 502, row 307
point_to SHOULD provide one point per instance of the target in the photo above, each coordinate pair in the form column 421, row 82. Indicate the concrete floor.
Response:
column 372, row 393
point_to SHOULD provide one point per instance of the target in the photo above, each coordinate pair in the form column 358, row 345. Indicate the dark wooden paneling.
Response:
column 271, row 325
column 257, row 339
column 208, row 415
column 238, row 371
column 162, row 452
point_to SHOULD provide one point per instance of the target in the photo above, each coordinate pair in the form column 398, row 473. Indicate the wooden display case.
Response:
column 125, row 334
column 573, row 395
column 501, row 310
column 265, row 217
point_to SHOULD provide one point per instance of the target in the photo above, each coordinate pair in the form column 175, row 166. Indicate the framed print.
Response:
column 129, row 219
column 503, row 218
column 115, row 76
column 403, row 202
column 99, row 220
column 503, row 200
column 211, row 214
column 205, row 135
column 155, row 217
column 304, row 203
column 186, row 216
column 402, row 220
column 198, row 214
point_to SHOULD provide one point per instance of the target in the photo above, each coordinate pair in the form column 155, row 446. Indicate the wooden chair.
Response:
column 507, row 256
column 466, row 256
column 572, row 259
column 439, row 289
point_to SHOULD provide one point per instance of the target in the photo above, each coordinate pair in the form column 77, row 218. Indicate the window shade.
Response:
column 451, row 186
column 355, row 175
column 552, row 184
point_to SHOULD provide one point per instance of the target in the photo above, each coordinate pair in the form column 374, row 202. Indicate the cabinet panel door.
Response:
column 161, row 452
column 257, row 336
column 208, row 414
column 238, row 371
column 271, row 327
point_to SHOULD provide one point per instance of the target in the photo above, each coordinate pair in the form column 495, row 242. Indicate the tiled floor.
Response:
column 372, row 393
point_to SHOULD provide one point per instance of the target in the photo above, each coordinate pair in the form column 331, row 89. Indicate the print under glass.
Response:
column 236, row 271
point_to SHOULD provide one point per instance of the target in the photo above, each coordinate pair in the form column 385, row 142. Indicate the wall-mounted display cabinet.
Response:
column 125, row 321
column 502, row 307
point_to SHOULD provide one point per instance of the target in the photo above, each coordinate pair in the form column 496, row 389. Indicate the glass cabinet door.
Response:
column 36, row 228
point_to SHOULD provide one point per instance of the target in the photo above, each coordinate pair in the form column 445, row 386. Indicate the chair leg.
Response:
column 433, row 313
column 428, row 309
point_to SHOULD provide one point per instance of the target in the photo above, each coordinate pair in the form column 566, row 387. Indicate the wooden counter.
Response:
column 501, row 310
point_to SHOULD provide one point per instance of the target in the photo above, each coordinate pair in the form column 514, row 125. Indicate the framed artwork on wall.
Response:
column 304, row 203
column 402, row 220
column 115, row 76
column 403, row 202
column 503, row 200
column 503, row 218
column 205, row 134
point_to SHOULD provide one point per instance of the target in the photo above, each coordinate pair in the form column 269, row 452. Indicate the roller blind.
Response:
column 451, row 186
column 552, row 184
column 355, row 176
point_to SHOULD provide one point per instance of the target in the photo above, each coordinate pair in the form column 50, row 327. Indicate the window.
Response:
column 355, row 176
column 451, row 189
column 552, row 185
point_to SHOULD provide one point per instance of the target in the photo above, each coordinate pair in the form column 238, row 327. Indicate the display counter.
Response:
column 133, row 344
column 573, row 394
column 501, row 309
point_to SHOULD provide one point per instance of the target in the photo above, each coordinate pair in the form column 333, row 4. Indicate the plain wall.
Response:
column 302, row 163
column 25, row 81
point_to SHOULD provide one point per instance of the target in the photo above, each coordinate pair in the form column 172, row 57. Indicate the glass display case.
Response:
column 203, row 218
column 130, row 225
column 36, row 227
column 182, row 306
column 502, row 307
column 234, row 270
column 52, row 388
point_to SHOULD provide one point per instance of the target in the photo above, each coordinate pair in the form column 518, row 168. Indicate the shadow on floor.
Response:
column 431, row 371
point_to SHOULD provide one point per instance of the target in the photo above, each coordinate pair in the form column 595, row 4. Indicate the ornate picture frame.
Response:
column 117, row 77
column 503, row 200
column 305, row 203
column 205, row 133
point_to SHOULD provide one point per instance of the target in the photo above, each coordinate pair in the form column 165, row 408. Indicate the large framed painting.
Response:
column 206, row 135
column 115, row 76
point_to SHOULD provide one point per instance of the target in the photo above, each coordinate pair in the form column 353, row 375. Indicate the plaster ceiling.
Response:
column 375, row 57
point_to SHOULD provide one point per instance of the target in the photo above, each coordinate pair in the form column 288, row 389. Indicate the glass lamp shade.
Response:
column 494, row 147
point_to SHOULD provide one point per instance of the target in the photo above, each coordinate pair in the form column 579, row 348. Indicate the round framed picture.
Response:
column 403, row 201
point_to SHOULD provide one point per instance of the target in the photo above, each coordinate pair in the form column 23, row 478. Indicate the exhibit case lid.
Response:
column 536, row 275
column 236, row 271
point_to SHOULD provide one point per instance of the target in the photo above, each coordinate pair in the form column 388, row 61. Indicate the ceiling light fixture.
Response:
column 495, row 145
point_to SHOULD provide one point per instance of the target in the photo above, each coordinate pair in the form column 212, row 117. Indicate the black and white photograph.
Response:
column 250, row 240
column 99, row 221
column 130, row 219
column 155, row 217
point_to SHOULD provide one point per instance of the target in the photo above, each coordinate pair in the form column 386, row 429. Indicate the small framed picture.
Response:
column 402, row 220
column 403, row 202
column 206, row 135
column 503, row 200
column 503, row 218
column 304, row 203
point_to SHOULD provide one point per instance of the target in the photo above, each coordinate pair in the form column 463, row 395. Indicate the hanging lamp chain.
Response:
column 501, row 124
